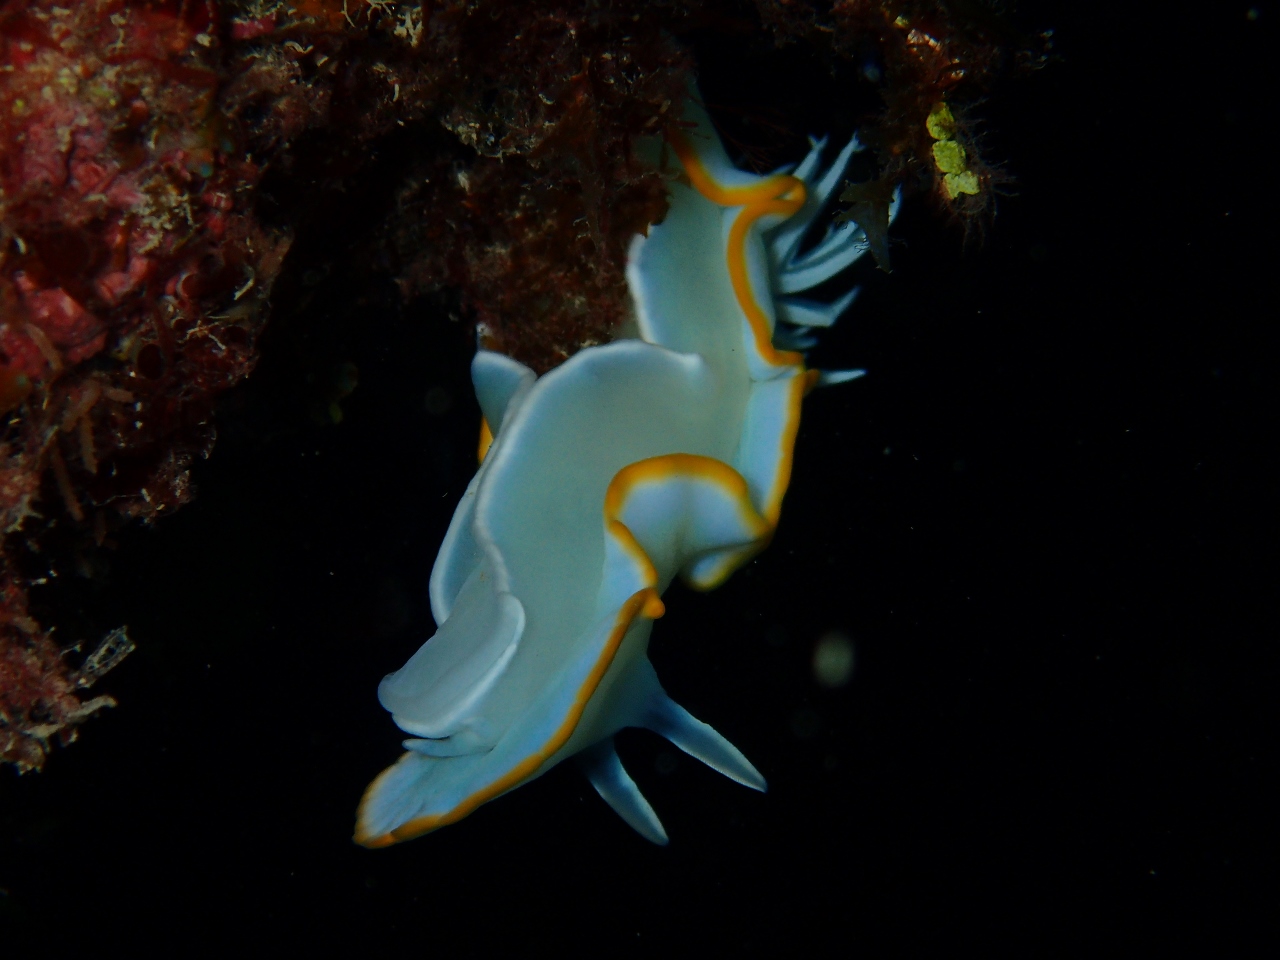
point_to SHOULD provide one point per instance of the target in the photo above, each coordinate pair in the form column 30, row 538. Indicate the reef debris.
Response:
column 40, row 698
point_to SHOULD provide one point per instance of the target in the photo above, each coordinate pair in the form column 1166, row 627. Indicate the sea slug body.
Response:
column 630, row 463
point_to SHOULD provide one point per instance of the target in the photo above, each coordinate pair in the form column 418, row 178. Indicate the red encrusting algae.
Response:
column 124, row 228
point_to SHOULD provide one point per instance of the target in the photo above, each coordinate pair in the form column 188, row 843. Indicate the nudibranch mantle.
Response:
column 630, row 463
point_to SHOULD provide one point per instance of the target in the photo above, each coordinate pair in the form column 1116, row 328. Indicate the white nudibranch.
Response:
column 629, row 463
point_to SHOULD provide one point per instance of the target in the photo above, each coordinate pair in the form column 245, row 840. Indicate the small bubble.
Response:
column 666, row 762
column 833, row 657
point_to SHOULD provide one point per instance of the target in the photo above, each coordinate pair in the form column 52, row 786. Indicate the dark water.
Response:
column 1040, row 519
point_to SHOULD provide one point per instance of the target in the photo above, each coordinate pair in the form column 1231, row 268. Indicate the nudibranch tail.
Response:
column 630, row 464
column 604, row 769
column 701, row 741
column 659, row 713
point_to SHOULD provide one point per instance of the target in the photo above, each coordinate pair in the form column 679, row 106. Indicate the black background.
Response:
column 1043, row 518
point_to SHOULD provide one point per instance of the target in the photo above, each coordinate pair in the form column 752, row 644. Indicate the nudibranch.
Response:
column 631, row 462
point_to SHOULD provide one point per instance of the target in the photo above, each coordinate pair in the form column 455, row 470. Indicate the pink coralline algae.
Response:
column 133, row 282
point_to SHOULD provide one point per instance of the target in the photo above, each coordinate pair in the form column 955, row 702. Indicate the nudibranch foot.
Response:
column 630, row 464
